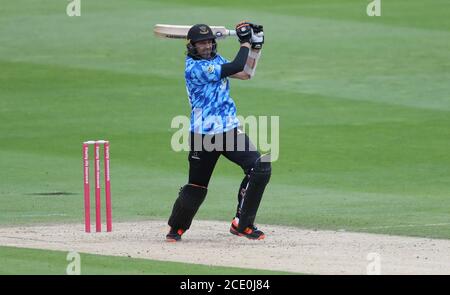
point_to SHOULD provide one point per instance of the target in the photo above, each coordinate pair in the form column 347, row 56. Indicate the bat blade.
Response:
column 180, row 31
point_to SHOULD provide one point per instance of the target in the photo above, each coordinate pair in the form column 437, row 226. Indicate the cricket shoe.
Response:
column 174, row 235
column 250, row 232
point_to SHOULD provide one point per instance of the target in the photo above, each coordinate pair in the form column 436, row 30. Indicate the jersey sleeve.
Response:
column 205, row 72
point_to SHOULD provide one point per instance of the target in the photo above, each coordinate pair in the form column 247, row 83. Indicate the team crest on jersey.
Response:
column 210, row 69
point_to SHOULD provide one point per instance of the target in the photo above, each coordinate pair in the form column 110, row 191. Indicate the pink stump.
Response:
column 98, row 216
column 107, row 188
column 87, row 198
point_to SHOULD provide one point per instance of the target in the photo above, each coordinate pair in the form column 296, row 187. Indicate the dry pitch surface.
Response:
column 209, row 242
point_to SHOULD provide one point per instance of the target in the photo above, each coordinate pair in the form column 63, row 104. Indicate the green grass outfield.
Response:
column 364, row 106
column 15, row 261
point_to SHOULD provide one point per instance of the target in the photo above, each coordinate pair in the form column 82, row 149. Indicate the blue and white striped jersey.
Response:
column 213, row 110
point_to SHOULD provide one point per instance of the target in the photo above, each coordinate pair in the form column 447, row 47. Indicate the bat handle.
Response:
column 227, row 33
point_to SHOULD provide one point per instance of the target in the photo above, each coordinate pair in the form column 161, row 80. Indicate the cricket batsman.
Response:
column 214, row 123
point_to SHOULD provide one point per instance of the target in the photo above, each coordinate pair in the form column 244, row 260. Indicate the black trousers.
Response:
column 205, row 150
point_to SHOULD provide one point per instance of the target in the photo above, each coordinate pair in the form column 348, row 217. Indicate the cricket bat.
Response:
column 180, row 32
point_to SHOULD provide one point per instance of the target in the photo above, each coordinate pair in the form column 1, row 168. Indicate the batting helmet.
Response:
column 200, row 32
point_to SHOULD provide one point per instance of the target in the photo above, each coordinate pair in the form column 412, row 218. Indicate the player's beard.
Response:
column 206, row 54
